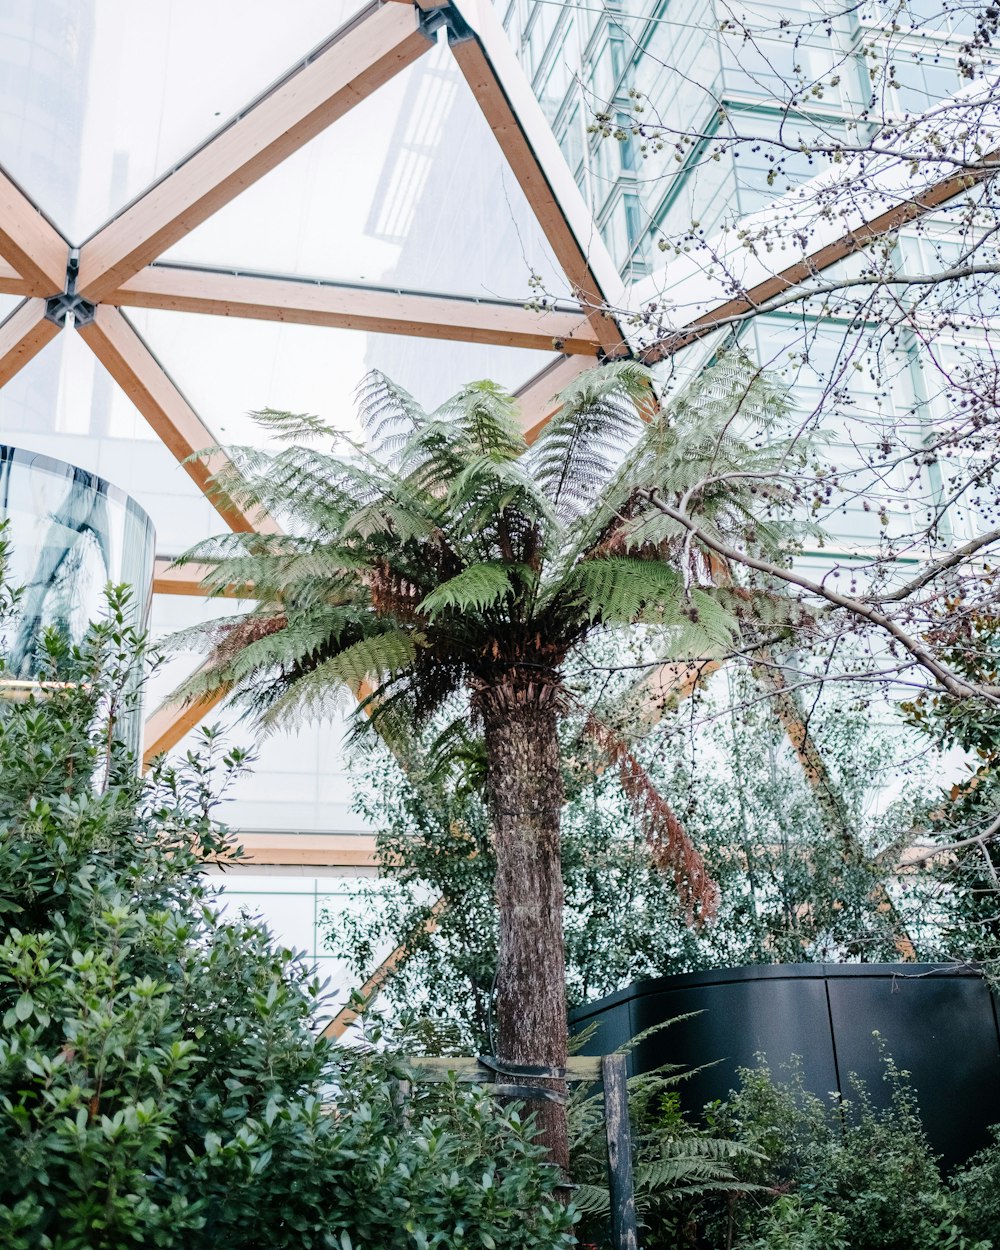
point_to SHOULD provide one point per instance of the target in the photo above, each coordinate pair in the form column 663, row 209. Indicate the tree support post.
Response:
column 624, row 1234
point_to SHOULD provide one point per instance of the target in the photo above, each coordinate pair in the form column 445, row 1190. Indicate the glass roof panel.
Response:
column 99, row 99
column 409, row 189
column 228, row 367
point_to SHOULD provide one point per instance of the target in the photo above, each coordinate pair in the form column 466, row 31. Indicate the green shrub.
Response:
column 847, row 1171
column 161, row 1083
column 794, row 1224
column 978, row 1185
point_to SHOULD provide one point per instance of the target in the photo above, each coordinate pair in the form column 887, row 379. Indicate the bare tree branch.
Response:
column 951, row 682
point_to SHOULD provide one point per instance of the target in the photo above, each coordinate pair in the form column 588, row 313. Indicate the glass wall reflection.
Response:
column 71, row 533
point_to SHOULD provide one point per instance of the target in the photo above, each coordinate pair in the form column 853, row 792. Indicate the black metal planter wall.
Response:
column 938, row 1022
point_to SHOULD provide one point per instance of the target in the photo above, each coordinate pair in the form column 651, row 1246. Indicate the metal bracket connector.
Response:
column 57, row 308
column 66, row 305
column 431, row 21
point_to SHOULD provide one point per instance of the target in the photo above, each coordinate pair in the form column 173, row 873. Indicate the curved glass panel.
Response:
column 71, row 534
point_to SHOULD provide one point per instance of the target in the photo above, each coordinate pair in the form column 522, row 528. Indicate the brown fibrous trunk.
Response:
column 525, row 796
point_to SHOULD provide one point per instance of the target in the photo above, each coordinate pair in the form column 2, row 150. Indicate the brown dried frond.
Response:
column 393, row 595
column 670, row 847
column 232, row 639
column 612, row 539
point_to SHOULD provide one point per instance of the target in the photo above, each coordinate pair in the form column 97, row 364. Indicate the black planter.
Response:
column 938, row 1021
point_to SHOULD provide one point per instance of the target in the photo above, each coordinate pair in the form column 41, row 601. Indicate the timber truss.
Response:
column 86, row 288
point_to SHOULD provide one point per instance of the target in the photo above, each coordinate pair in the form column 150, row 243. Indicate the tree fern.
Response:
column 444, row 556
column 673, row 1158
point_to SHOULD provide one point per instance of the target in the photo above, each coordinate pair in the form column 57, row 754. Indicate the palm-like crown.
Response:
column 448, row 554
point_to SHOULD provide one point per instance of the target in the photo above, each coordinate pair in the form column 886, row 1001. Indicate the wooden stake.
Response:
column 624, row 1234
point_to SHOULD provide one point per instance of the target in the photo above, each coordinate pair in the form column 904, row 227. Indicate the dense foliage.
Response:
column 777, row 1168
column 161, row 1083
column 965, row 817
column 844, row 1174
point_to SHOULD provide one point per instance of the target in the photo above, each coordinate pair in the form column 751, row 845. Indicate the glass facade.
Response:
column 70, row 534
column 701, row 70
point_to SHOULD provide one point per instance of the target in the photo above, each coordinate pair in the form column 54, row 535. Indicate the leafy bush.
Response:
column 794, row 1224
column 843, row 1173
column 161, row 1084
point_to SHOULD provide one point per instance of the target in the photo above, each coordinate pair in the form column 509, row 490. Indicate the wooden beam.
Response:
column 369, row 51
column 186, row 580
column 465, row 1068
column 504, row 95
column 30, row 243
column 345, row 306
column 133, row 366
column 171, row 721
column 22, row 336
column 908, row 210
column 11, row 282
column 346, row 1016
column 320, row 850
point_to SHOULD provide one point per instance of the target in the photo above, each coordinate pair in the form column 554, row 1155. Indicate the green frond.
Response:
column 483, row 416
column 712, row 615
column 693, row 1165
column 486, row 487
column 293, row 426
column 390, row 518
column 577, row 452
column 404, row 562
column 671, row 1167
column 592, row 1199
column 495, row 512
column 475, row 589
column 623, row 589
column 370, row 660
column 401, row 706
column 388, row 412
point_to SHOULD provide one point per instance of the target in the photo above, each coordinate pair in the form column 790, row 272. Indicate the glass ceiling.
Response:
column 409, row 189
column 227, row 367
column 112, row 95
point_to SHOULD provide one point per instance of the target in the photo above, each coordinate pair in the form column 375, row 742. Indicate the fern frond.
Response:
column 293, row 426
column 370, row 660
column 388, row 412
column 483, row 416
column 477, row 588
column 598, row 419
column 623, row 589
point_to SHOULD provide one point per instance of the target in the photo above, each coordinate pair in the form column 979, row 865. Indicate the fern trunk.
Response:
column 524, row 793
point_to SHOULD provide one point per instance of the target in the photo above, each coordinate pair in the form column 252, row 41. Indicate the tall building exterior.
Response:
column 690, row 65
column 708, row 71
